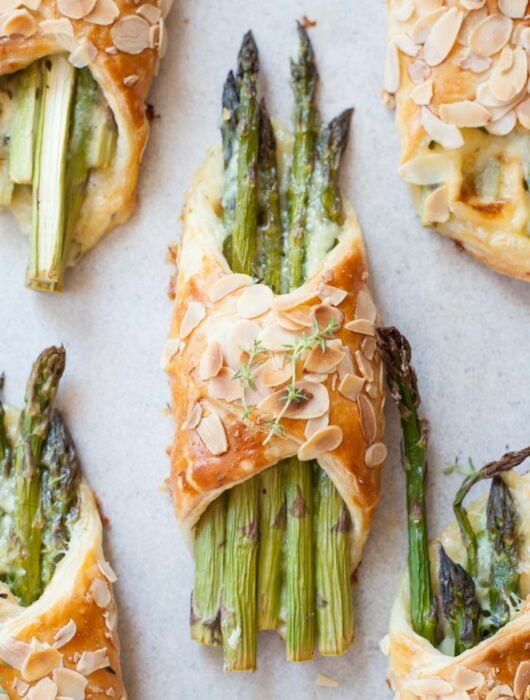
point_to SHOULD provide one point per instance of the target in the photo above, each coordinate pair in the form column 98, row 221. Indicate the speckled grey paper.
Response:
column 469, row 329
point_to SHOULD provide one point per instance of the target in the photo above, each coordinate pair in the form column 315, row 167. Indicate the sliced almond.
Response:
column 442, row 37
column 392, row 75
column 323, row 360
column 39, row 663
column 45, row 689
column 313, row 425
column 364, row 366
column 406, row 45
column 276, row 338
column 436, row 207
column 421, row 94
column 369, row 346
column 65, row 634
column 225, row 386
column 447, row 135
column 423, row 26
column 151, row 13
column 331, row 295
column 375, row 454
column 324, row 440
column 515, row 9
column 523, row 113
column 83, row 55
column 254, row 301
column 56, row 26
column 425, row 7
column 429, row 686
column 171, row 348
column 365, row 307
column 284, row 302
column 351, row 386
column 131, row 80
column 70, row 683
column 130, row 34
column 100, row 592
column 465, row 114
column 241, row 337
column 368, row 419
column 346, row 365
column 473, row 4
column 272, row 375
column 313, row 403
column 500, row 692
column 465, row 679
column 227, row 284
column 326, row 681
column 212, row 432
column 194, row 417
column 404, row 12
column 502, row 126
column 470, row 22
column 192, row 317
column 91, row 661
column 18, row 22
column 315, row 378
column 490, row 35
column 107, row 571
column 419, row 71
column 362, row 326
column 475, row 64
column 104, row 13
column 211, row 361
column 286, row 322
column 14, row 652
column 300, row 317
column 326, row 316
column 75, row 9
column 429, row 169
column 509, row 77
column 521, row 680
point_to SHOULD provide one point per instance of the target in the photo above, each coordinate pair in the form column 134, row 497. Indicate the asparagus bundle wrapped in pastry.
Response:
column 58, row 636
column 275, row 377
column 460, row 624
column 74, row 77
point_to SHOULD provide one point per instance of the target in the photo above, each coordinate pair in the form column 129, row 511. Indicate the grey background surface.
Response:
column 469, row 329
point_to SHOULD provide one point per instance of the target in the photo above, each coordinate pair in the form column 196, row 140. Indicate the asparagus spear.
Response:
column 459, row 602
column 209, row 553
column 230, row 102
column 33, row 428
column 26, row 96
column 300, row 570
column 48, row 228
column 304, row 81
column 245, row 217
column 238, row 617
column 60, row 473
column 404, row 390
column 5, row 444
column 333, row 587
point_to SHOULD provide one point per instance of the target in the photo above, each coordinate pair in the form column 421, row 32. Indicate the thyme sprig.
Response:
column 244, row 374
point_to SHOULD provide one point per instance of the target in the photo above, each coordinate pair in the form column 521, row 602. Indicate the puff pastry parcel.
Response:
column 265, row 386
column 74, row 78
column 58, row 634
column 459, row 73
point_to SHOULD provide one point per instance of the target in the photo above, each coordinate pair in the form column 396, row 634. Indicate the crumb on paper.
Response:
column 307, row 23
column 164, row 486
column 326, row 681
column 388, row 99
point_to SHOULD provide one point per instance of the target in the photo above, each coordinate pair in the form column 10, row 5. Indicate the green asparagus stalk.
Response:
column 209, row 554
column 333, row 587
column 26, row 96
column 60, row 473
column 48, row 228
column 300, row 570
column 230, row 102
column 333, row 147
column 271, row 531
column 238, row 617
column 246, row 200
column 459, row 602
column 304, row 81
column 403, row 388
column 33, row 429
column 5, row 444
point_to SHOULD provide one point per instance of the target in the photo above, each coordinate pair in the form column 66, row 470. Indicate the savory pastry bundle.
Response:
column 459, row 73
column 460, row 625
column 74, row 76
column 58, row 636
column 275, row 376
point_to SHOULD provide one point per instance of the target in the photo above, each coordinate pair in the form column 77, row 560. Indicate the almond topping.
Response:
column 192, row 317
column 365, row 307
column 91, row 661
column 351, row 386
column 39, row 662
column 313, row 425
column 315, row 378
column 523, row 113
column 254, row 301
column 470, row 22
column 211, row 361
column 510, row 74
column 466, row 114
column 150, row 12
column 131, row 80
column 323, row 361
column 430, row 686
column 104, row 12
column 442, row 37
column 375, row 454
column 404, row 12
column 324, row 440
column 302, row 318
column 70, row 684
column 241, row 337
column 212, row 432
column 490, row 35
column 287, row 323
column 392, row 77
column 522, row 679
column 333, row 296
column 369, row 346
column 325, row 315
column 421, row 94
column 18, row 22
column 45, row 689
column 107, row 571
column 65, row 634
column 364, row 366
column 56, row 26
column 447, row 135
column 313, row 402
column 275, row 338
column 171, row 348
column 130, row 34
column 100, row 592
column 430, row 169
column 194, row 417
column 346, row 365
column 502, row 126
column 225, row 386
column 436, row 208
column 500, row 692
column 272, row 375
column 14, row 652
column 227, row 284
column 473, row 4
column 419, row 71
column 284, row 302
column 423, row 26
column 406, row 45
column 475, row 64
column 83, row 55
column 325, row 681
column 362, row 326
column 75, row 9
column 465, row 679
column 513, row 8
column 368, row 419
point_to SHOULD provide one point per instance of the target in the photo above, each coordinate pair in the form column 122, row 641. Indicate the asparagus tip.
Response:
column 247, row 60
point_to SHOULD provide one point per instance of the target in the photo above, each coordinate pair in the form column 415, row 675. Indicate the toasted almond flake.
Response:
column 423, row 26
column 515, row 9
column 254, row 301
column 14, row 652
column 384, row 645
column 39, row 663
column 369, row 346
column 325, row 681
column 505, row 60
column 300, row 317
column 442, row 37
column 351, row 386
column 56, row 26
column 286, row 322
column 70, row 684
column 192, row 317
column 331, row 295
column 212, row 432
column 18, row 22
column 372, row 390
column 418, row 71
column 425, row 7
column 154, row 36
column 194, row 417
column 130, row 34
column 162, row 43
column 506, row 83
column 241, row 337
column 447, row 135
column 111, row 618
column 45, row 689
column 272, row 375
column 521, row 680
column 364, row 366
column 523, row 113
column 486, row 97
column 470, row 22
column 421, row 94
column 323, row 361
column 466, row 679
column 436, row 208
column 8, row 5
column 429, row 169
column 465, row 113
column 375, row 454
column 104, row 13
column 65, row 634
column 475, row 64
column 473, row 4
column 500, row 691
column 404, row 12
column 346, row 365
column 490, row 35
column 91, row 661
column 131, row 80
column 315, row 378
column 227, row 284
column 171, row 348
column 107, row 571
column 83, row 55
column 323, row 314
column 20, row 686
column 429, row 686
column 112, row 50
column 150, row 12
column 523, row 38
column 502, row 126
column 100, row 592
column 275, row 338
column 75, row 9
column 165, row 6
column 392, row 77
column 284, row 302
column 324, row 440
column 365, row 307
column 362, row 326
column 406, row 45
column 211, row 361
column 225, row 386
column 313, row 425
column 368, row 419
column 315, row 402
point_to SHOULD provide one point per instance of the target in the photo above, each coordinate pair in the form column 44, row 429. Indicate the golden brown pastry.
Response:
column 459, row 74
